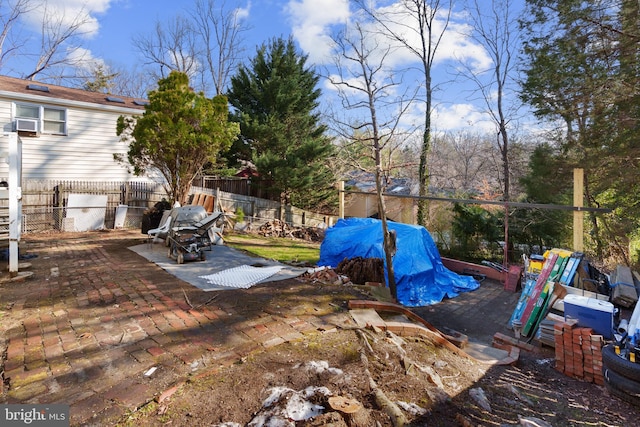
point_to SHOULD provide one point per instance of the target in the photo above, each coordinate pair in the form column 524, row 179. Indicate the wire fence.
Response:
column 45, row 204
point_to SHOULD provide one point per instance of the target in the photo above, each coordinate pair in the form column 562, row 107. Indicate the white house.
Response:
column 67, row 134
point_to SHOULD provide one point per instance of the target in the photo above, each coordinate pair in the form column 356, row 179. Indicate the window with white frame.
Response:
column 50, row 120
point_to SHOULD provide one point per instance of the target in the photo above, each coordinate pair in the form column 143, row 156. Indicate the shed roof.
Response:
column 365, row 181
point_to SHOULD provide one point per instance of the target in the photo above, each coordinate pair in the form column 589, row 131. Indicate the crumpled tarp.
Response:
column 421, row 278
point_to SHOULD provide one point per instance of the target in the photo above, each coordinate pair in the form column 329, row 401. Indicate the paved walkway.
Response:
column 91, row 322
column 91, row 325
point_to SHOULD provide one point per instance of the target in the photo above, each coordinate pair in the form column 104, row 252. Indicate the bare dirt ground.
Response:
column 431, row 384
column 295, row 384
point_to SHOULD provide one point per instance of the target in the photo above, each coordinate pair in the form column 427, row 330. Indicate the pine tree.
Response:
column 178, row 134
column 583, row 72
column 275, row 101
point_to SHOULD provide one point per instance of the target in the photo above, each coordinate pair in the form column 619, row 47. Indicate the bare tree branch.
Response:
column 220, row 32
column 10, row 13
column 172, row 47
column 59, row 39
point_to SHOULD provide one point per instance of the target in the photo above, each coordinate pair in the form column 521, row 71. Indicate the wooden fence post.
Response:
column 578, row 216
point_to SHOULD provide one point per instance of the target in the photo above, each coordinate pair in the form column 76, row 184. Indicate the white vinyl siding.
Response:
column 85, row 153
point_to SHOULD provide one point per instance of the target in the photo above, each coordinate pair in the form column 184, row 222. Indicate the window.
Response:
column 50, row 120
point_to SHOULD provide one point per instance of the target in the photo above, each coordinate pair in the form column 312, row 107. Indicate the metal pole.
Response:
column 15, row 201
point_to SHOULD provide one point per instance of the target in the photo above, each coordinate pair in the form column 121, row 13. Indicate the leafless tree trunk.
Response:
column 425, row 21
column 364, row 84
column 495, row 28
column 220, row 31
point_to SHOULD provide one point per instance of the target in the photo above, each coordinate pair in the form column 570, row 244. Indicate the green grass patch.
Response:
column 276, row 248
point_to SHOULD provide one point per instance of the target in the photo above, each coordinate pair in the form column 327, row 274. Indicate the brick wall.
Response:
column 578, row 352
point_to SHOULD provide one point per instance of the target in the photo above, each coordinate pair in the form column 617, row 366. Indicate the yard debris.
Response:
column 344, row 404
column 325, row 275
column 277, row 228
column 362, row 270
column 533, row 422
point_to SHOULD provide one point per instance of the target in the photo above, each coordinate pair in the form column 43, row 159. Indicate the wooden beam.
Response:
column 578, row 215
column 341, row 193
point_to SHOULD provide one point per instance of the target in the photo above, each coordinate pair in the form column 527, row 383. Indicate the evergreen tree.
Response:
column 583, row 72
column 548, row 182
column 275, row 101
column 179, row 133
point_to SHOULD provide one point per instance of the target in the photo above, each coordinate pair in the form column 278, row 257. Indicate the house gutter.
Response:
column 16, row 96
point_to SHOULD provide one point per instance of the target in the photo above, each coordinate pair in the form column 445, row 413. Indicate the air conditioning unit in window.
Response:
column 26, row 125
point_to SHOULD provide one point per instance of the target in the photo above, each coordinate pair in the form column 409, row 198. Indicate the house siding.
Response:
column 85, row 153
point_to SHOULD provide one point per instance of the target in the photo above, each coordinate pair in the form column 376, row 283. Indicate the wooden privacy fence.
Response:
column 254, row 187
column 44, row 203
column 257, row 210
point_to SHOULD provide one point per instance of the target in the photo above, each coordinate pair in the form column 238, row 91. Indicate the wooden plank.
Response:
column 541, row 282
column 462, row 267
column 539, row 309
column 208, row 203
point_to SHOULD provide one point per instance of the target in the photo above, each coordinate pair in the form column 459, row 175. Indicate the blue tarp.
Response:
column 421, row 278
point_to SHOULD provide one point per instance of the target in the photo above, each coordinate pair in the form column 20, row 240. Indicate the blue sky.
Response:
column 114, row 23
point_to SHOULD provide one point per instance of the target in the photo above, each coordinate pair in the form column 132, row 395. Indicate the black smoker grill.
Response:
column 186, row 242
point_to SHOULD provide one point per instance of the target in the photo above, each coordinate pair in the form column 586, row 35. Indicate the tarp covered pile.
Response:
column 421, row 278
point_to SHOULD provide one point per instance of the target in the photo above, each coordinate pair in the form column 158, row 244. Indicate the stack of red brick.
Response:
column 578, row 352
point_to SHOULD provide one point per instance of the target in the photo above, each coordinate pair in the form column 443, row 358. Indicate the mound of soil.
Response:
column 291, row 385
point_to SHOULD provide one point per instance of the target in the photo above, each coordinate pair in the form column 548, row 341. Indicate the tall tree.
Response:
column 417, row 25
column 172, row 47
column 582, row 73
column 206, row 43
column 494, row 27
column 59, row 40
column 367, row 89
column 275, row 102
column 178, row 134
column 220, row 31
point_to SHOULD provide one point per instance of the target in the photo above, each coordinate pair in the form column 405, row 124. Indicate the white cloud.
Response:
column 312, row 21
column 243, row 12
column 83, row 58
column 454, row 44
column 461, row 116
column 69, row 12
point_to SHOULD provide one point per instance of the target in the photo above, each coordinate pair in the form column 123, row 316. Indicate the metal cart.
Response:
column 187, row 242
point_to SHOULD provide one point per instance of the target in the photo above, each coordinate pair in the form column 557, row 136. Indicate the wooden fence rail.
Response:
column 45, row 204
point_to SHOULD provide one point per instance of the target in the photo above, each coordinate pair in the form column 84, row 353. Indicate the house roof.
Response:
column 365, row 181
column 34, row 88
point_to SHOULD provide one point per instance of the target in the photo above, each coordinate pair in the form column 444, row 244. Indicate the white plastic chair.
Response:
column 154, row 232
